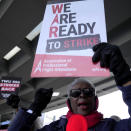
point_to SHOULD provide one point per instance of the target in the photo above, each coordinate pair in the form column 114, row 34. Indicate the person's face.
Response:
column 84, row 104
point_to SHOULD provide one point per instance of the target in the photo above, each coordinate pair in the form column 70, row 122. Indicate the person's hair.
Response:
column 76, row 81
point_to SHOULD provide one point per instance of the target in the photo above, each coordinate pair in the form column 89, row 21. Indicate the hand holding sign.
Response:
column 77, row 123
column 110, row 56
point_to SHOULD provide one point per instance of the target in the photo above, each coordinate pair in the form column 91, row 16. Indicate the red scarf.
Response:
column 92, row 119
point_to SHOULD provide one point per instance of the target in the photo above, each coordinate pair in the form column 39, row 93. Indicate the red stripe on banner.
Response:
column 9, row 85
column 60, row 65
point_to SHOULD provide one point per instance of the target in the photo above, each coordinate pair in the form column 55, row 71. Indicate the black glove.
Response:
column 13, row 101
column 42, row 98
column 111, row 57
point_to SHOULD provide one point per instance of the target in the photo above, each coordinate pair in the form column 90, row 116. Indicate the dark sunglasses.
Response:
column 77, row 92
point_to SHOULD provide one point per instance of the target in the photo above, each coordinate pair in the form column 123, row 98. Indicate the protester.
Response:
column 82, row 98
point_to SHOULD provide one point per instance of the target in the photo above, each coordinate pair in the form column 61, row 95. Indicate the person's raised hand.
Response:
column 41, row 100
column 111, row 57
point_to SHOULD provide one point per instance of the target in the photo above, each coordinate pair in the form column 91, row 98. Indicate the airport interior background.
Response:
column 20, row 24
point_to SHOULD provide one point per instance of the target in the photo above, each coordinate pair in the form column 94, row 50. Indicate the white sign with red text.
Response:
column 69, row 31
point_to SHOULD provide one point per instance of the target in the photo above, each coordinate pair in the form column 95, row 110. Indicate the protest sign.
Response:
column 70, row 29
column 9, row 85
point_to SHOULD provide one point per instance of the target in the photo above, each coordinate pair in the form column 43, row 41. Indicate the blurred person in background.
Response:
column 82, row 98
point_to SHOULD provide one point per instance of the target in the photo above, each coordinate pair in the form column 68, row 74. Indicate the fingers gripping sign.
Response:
column 77, row 123
column 110, row 56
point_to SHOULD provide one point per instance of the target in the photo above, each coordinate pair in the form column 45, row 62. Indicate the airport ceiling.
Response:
column 17, row 20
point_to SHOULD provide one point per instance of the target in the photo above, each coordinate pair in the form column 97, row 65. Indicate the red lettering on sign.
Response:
column 53, row 31
column 57, row 8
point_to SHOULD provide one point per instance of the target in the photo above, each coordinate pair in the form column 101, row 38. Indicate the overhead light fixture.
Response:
column 11, row 53
column 56, row 93
column 34, row 32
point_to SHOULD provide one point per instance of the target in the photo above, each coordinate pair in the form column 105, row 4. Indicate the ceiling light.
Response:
column 56, row 93
column 34, row 32
column 11, row 53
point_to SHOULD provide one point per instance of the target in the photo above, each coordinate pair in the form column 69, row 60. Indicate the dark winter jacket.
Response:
column 24, row 120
